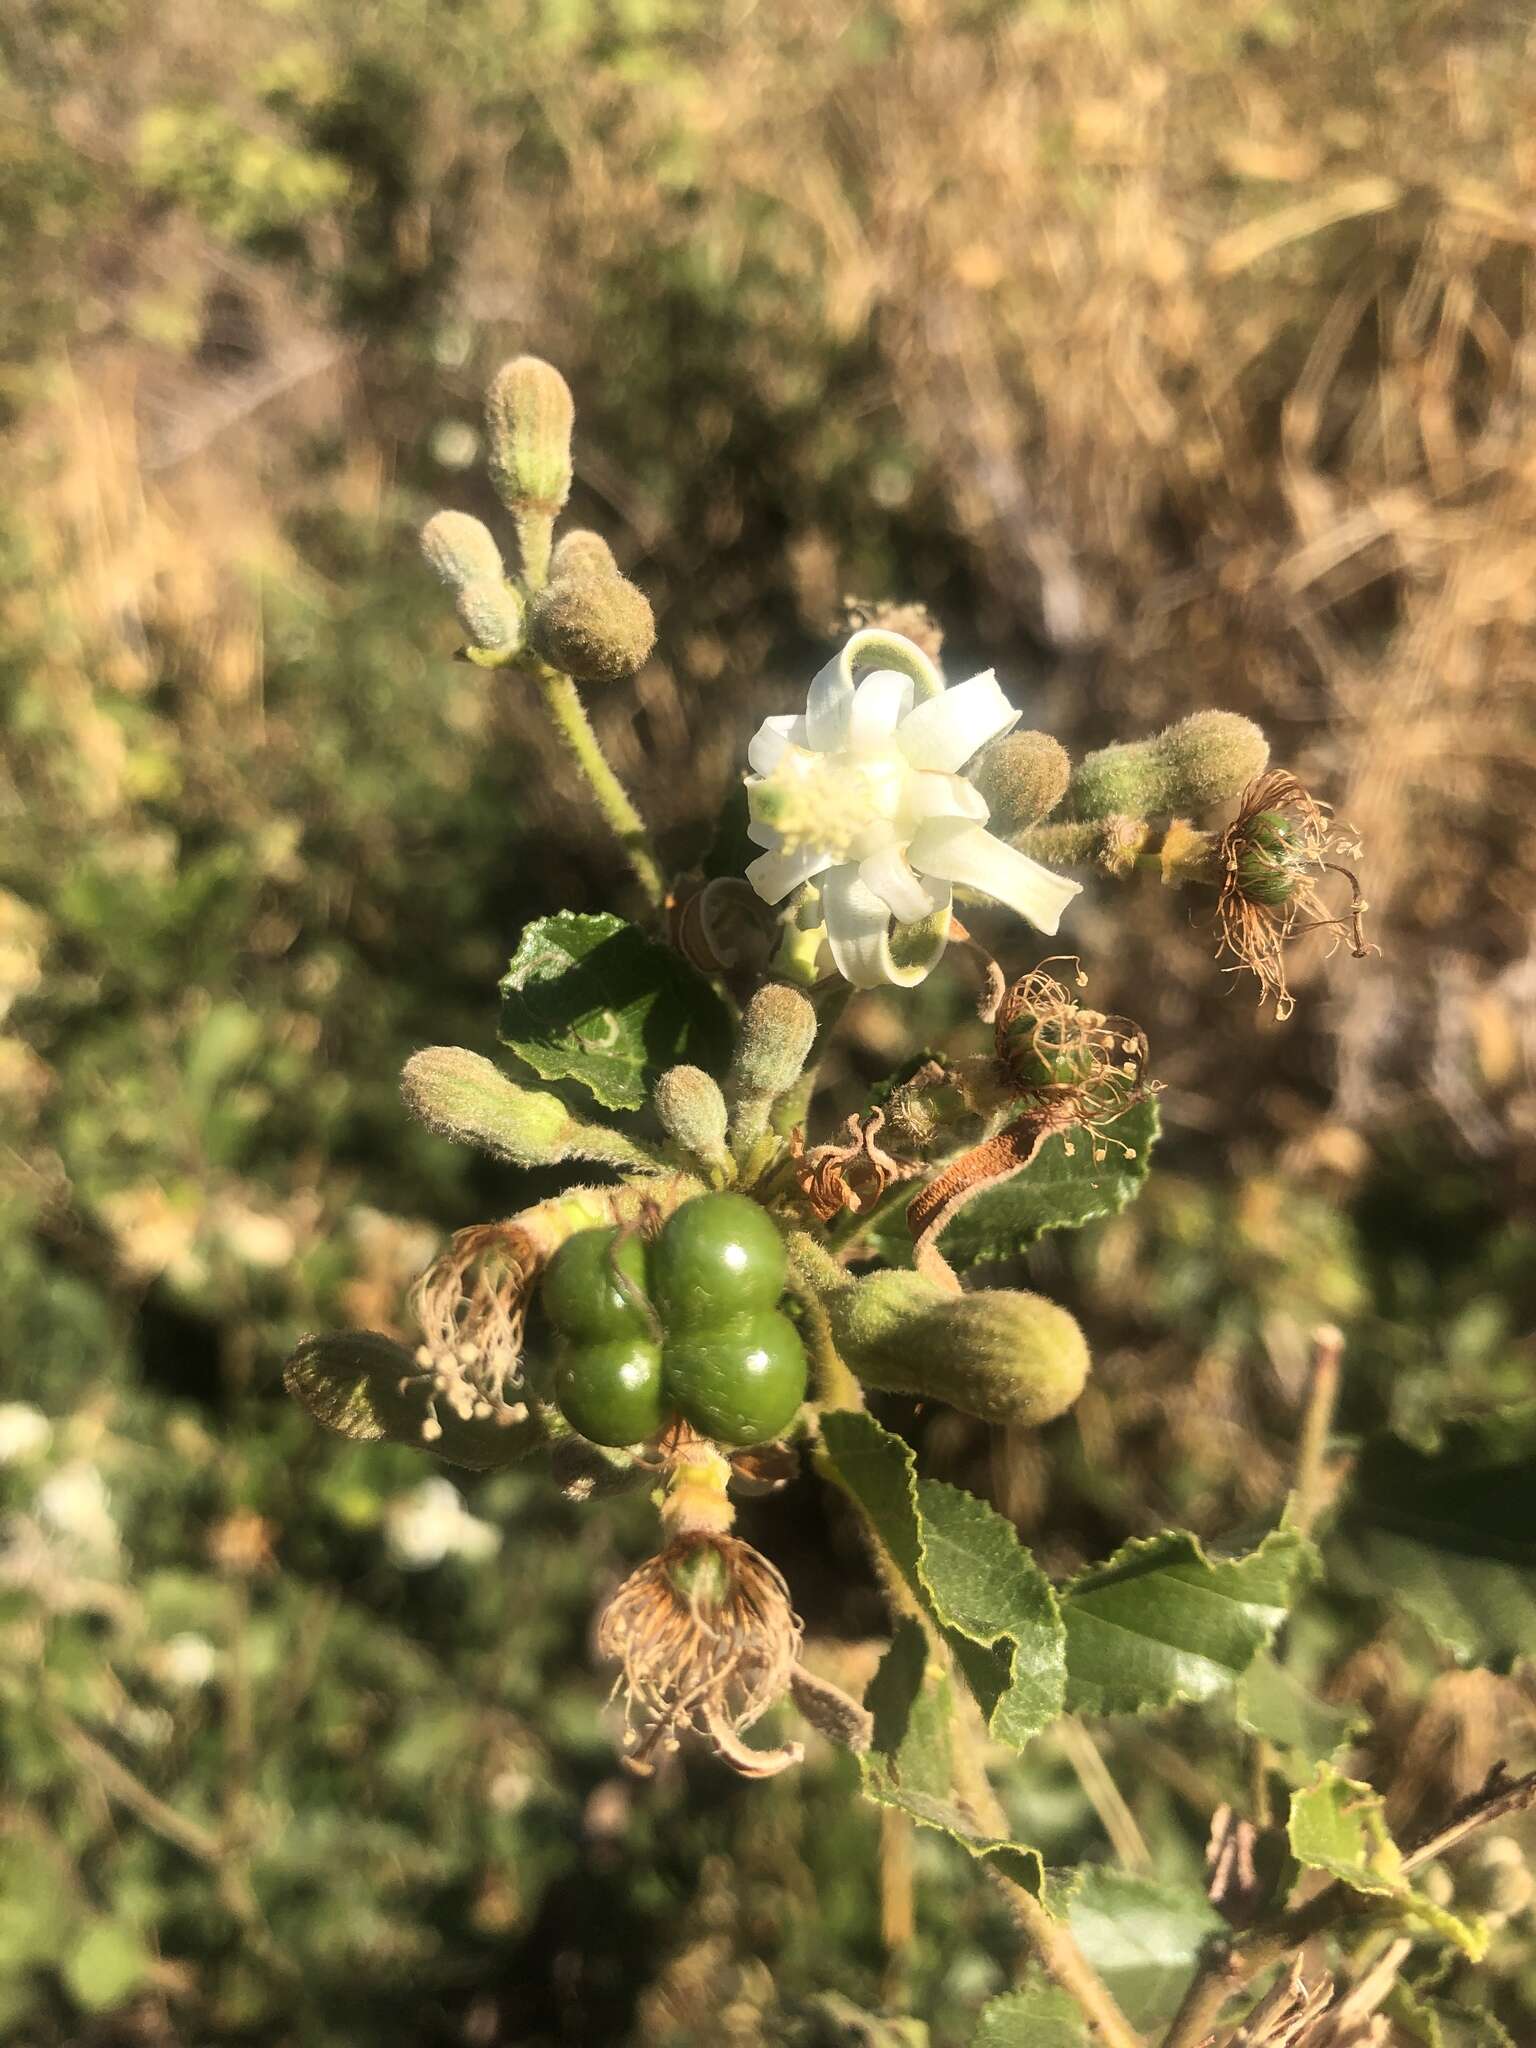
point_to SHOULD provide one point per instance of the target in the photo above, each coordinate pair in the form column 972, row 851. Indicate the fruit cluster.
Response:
column 687, row 1326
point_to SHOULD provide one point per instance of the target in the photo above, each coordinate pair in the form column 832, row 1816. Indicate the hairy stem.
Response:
column 563, row 702
column 1313, row 1486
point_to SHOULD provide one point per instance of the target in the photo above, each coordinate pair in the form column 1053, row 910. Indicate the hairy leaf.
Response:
column 1162, row 1621
column 1144, row 1939
column 1274, row 1704
column 1039, row 2017
column 1058, row 1190
column 967, row 1568
column 594, row 1001
column 1337, row 1825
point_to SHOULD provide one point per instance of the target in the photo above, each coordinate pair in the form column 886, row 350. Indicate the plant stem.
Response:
column 1312, row 1488
column 1065, row 1962
column 563, row 702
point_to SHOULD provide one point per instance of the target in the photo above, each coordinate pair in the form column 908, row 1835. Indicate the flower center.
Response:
column 823, row 803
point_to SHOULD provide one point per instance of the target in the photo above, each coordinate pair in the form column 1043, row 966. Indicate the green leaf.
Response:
column 594, row 1001
column 350, row 1382
column 967, row 1568
column 910, row 1763
column 1143, row 1939
column 106, row 1965
column 1448, row 1533
column 1274, row 1704
column 1041, row 2017
column 1436, row 2023
column 1058, row 1190
column 1337, row 1825
column 1162, row 1621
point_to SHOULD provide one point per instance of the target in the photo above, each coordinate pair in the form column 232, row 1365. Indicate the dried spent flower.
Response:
column 470, row 1306
column 1075, row 1066
column 1271, row 857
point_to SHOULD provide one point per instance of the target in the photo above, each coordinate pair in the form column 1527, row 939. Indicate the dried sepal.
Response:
column 470, row 1306
column 1271, row 858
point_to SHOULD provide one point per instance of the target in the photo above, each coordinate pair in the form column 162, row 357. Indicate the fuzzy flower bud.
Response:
column 692, row 1112
column 464, row 556
column 1004, row 1356
column 1023, row 776
column 590, row 620
column 461, row 1096
column 778, row 1029
column 1205, row 759
column 529, row 413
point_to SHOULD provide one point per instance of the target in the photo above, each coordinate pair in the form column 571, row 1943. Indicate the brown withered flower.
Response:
column 707, row 1641
column 470, row 1306
column 1271, row 859
column 1073, row 1067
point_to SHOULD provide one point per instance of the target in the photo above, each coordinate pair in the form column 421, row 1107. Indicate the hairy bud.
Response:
column 1023, row 776
column 529, row 414
column 692, row 1112
column 1004, row 1356
column 1203, row 760
column 778, row 1029
column 464, row 1097
column 464, row 556
column 591, row 621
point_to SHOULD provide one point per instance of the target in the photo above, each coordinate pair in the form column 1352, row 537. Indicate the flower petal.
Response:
column 957, row 851
column 858, row 928
column 881, row 701
column 773, row 740
column 944, row 733
column 945, row 796
column 859, row 934
column 774, row 875
column 764, row 835
column 827, row 705
column 907, row 896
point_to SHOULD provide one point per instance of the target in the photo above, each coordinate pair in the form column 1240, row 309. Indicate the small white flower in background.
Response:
column 864, row 796
column 73, row 1503
column 431, row 1523
column 24, row 1431
column 187, row 1662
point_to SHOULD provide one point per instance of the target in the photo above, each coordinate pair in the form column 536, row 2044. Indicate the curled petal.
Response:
column 956, row 851
column 774, row 875
column 767, row 836
column 946, row 796
column 772, row 741
column 944, row 733
column 906, row 895
column 827, row 706
column 859, row 934
column 880, row 702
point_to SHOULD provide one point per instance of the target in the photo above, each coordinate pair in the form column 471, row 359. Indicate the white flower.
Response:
column 864, row 795
column 186, row 1662
column 74, row 1504
column 431, row 1523
column 24, row 1431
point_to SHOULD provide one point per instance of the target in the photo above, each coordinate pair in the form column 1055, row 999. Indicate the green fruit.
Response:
column 718, row 1256
column 581, row 1297
column 739, row 1381
column 611, row 1392
column 1271, row 861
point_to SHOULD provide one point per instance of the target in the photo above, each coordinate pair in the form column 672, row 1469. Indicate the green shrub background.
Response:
column 1172, row 356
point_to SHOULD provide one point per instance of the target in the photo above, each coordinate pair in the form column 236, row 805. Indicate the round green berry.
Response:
column 1271, row 860
column 611, row 1392
column 717, row 1256
column 740, row 1381
column 581, row 1296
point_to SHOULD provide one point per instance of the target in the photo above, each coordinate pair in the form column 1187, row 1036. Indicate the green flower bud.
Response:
column 529, row 414
column 1023, row 776
column 461, row 1096
column 461, row 550
column 692, row 1112
column 465, row 557
column 1205, row 759
column 1005, row 1356
column 778, row 1029
column 591, row 621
